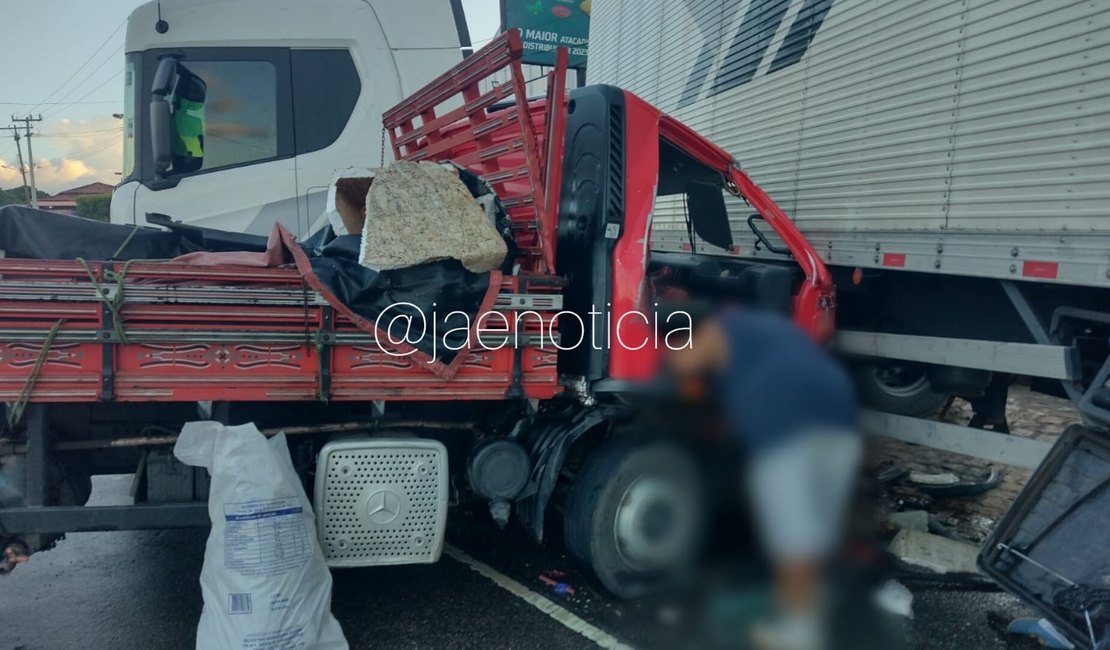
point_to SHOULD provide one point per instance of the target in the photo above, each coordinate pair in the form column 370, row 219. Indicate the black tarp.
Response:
column 416, row 300
column 43, row 235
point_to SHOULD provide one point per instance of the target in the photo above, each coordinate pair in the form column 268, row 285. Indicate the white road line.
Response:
column 563, row 616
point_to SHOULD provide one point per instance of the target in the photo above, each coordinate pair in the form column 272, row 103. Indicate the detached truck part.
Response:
column 534, row 415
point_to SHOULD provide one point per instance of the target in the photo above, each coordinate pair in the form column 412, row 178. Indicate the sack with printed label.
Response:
column 264, row 580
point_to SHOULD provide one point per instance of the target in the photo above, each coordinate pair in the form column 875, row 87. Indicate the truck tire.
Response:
column 635, row 515
column 898, row 387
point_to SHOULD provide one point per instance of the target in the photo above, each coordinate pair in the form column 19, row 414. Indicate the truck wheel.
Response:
column 636, row 515
column 898, row 387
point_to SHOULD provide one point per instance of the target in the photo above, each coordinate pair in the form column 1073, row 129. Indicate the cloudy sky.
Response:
column 72, row 73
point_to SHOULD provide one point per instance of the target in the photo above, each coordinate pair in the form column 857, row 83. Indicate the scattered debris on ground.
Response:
column 934, row 552
column 15, row 553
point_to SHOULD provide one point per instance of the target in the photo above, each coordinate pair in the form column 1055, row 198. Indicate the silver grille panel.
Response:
column 381, row 501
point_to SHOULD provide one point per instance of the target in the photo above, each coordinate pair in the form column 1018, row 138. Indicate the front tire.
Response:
column 636, row 515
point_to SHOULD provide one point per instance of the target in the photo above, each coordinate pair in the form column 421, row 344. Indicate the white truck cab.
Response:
column 239, row 113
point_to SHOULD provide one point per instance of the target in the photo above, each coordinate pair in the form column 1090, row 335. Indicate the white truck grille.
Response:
column 381, row 501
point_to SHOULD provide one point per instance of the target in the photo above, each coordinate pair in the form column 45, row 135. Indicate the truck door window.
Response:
column 692, row 195
column 224, row 113
column 326, row 87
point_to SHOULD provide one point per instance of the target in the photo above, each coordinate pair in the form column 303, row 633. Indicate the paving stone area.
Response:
column 1031, row 415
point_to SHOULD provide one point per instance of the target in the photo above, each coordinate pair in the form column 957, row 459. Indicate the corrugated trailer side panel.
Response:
column 923, row 117
column 1033, row 129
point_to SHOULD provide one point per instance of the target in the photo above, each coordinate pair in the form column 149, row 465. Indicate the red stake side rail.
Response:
column 190, row 333
column 451, row 119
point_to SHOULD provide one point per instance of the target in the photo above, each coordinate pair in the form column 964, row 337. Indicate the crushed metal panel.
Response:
column 1050, row 549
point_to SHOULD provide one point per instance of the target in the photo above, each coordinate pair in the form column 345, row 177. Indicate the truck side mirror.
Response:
column 176, row 118
column 708, row 213
column 161, row 118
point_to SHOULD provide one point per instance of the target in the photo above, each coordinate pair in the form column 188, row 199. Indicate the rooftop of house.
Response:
column 84, row 190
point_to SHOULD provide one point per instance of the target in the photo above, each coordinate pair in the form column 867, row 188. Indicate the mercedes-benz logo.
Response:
column 383, row 506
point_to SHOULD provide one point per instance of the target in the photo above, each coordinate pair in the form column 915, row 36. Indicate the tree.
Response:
column 18, row 196
column 93, row 206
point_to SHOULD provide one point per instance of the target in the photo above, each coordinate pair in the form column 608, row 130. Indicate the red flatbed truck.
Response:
column 102, row 361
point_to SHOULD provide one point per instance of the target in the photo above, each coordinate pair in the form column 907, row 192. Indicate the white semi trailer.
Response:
column 949, row 160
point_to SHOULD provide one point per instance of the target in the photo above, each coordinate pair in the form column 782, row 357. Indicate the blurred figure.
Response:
column 794, row 410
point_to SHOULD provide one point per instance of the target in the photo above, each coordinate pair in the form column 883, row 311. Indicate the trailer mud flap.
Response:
column 1050, row 549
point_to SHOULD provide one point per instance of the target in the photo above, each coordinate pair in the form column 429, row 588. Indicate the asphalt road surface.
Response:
column 139, row 589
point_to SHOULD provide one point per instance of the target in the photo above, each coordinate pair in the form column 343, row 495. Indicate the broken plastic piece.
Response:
column 923, row 479
column 895, row 598
column 15, row 553
column 1040, row 629
column 965, row 488
column 557, row 586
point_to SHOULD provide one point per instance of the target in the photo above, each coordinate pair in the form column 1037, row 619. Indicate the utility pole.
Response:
column 22, row 169
column 30, row 155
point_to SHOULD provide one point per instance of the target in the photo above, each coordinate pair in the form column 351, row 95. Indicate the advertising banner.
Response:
column 546, row 25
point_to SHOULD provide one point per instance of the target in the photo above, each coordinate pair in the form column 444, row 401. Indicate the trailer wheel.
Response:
column 636, row 515
column 899, row 387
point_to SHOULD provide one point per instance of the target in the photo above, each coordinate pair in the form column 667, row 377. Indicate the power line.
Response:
column 57, row 111
column 80, row 153
column 89, row 147
column 95, row 101
column 73, row 134
column 88, row 60
column 243, row 143
column 92, row 72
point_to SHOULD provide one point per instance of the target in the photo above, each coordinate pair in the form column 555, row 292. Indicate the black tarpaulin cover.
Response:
column 416, row 300
column 43, row 235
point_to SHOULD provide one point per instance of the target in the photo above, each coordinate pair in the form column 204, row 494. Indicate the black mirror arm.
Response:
column 762, row 239
column 163, row 75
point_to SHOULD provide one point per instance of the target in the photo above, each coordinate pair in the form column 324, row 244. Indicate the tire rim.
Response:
column 652, row 523
column 900, row 381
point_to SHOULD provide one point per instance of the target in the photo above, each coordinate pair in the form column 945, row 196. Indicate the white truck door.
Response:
column 341, row 87
column 337, row 121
